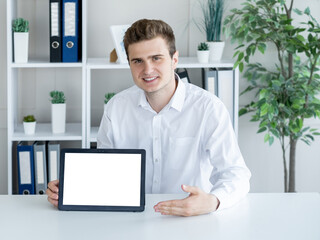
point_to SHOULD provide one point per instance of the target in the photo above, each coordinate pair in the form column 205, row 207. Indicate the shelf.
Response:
column 104, row 63
column 192, row 62
column 184, row 62
column 45, row 64
column 44, row 133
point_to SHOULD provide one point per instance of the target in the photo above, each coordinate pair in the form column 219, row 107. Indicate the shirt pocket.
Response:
column 181, row 152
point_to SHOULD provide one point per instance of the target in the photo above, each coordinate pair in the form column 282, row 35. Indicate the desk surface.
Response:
column 259, row 216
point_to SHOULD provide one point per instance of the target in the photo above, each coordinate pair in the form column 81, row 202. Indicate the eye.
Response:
column 156, row 58
column 137, row 61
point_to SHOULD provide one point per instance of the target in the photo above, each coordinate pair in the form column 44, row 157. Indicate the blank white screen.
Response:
column 102, row 179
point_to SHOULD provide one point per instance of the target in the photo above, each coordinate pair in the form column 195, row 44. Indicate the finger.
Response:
column 191, row 189
column 173, row 207
column 51, row 194
column 171, row 203
column 53, row 202
column 175, row 211
column 54, row 186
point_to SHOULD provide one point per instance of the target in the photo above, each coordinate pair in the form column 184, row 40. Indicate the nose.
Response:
column 148, row 68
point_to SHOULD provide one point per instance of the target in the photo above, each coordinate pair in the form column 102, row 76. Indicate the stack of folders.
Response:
column 65, row 30
column 220, row 82
column 38, row 163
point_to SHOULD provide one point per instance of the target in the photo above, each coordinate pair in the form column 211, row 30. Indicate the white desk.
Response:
column 257, row 217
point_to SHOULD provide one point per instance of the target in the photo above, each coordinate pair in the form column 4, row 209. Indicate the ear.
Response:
column 175, row 60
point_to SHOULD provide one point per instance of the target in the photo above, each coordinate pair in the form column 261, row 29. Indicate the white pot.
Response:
column 21, row 43
column 29, row 128
column 216, row 51
column 203, row 56
column 58, row 117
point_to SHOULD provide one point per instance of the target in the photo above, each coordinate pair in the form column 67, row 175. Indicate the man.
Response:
column 186, row 131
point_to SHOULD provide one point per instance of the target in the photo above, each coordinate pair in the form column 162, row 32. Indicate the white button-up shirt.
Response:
column 190, row 141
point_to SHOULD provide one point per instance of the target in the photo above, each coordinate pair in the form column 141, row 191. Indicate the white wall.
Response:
column 265, row 162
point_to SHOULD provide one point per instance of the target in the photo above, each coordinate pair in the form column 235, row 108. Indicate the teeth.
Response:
column 150, row 79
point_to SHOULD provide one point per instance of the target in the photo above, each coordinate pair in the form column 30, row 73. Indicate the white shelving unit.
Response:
column 74, row 131
column 82, row 131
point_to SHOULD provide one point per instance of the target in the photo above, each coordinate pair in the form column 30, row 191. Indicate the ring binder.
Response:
column 26, row 182
column 55, row 31
column 70, row 29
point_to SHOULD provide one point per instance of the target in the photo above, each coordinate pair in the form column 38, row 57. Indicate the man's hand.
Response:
column 53, row 192
column 198, row 202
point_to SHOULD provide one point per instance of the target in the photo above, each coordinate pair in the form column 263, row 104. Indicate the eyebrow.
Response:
column 152, row 56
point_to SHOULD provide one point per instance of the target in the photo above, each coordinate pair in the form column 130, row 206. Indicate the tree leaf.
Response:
column 262, row 47
column 241, row 67
column 266, row 137
column 307, row 11
column 262, row 130
column 242, row 111
column 271, row 139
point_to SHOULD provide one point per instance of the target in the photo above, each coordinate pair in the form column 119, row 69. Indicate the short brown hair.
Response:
column 146, row 29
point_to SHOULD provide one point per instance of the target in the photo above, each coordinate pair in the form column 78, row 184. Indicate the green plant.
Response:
column 57, row 97
column 211, row 23
column 29, row 118
column 203, row 46
column 108, row 96
column 288, row 93
column 20, row 25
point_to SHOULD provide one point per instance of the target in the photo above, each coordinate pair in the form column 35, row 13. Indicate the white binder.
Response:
column 40, row 166
column 53, row 161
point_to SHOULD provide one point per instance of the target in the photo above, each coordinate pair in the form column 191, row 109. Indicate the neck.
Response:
column 159, row 99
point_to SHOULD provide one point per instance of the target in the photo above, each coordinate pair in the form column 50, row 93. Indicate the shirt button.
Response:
column 156, row 181
column 156, row 160
column 156, row 138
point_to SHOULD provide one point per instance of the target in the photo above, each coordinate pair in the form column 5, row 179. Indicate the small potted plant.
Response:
column 107, row 97
column 20, row 28
column 203, row 52
column 58, row 111
column 211, row 25
column 29, row 124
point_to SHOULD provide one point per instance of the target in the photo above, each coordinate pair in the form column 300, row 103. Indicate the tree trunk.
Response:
column 292, row 165
column 285, row 174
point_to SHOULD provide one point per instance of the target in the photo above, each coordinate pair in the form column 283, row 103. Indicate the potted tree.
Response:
column 211, row 25
column 58, row 111
column 29, row 124
column 203, row 52
column 288, row 93
column 20, row 28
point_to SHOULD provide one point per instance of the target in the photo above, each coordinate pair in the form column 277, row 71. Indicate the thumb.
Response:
column 190, row 189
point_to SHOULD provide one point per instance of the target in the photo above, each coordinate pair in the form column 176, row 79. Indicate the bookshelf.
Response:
column 39, row 66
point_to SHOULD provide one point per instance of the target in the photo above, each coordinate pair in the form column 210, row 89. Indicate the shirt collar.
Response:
column 178, row 98
column 176, row 101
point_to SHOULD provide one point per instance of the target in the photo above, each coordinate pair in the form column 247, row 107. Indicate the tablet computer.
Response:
column 102, row 180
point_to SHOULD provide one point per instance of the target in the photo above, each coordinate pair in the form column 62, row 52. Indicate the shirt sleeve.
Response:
column 230, row 175
column 105, row 134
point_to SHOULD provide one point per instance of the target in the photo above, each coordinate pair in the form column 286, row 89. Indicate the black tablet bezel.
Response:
column 140, row 208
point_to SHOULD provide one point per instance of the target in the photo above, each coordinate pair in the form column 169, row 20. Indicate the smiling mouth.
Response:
column 149, row 79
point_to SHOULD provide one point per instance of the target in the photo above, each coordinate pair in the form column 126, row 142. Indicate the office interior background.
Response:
column 265, row 162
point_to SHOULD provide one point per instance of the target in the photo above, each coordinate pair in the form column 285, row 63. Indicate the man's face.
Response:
column 151, row 66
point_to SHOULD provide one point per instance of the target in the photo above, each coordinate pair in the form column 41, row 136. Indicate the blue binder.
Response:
column 26, row 181
column 70, row 30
